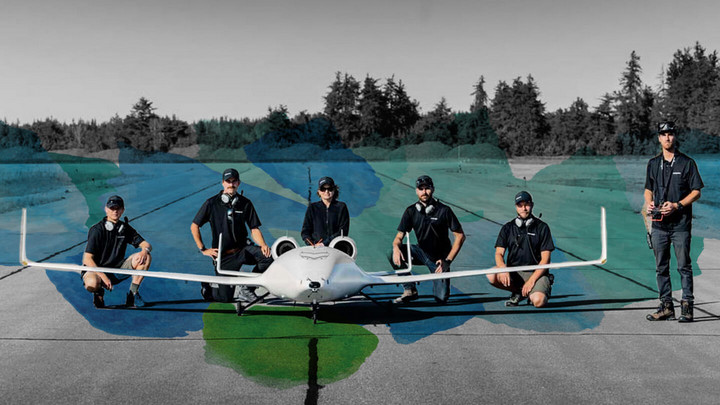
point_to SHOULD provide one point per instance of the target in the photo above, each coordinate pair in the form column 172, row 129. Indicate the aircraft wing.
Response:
column 249, row 279
column 395, row 279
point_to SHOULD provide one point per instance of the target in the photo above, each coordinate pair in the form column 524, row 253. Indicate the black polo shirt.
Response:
column 431, row 229
column 230, row 220
column 523, row 245
column 672, row 181
column 108, row 247
column 325, row 223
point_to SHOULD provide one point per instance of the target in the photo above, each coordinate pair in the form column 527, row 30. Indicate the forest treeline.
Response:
column 381, row 113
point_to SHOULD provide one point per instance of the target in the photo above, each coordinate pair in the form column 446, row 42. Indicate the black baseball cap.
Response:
column 666, row 127
column 115, row 201
column 231, row 174
column 326, row 181
column 523, row 196
column 424, row 180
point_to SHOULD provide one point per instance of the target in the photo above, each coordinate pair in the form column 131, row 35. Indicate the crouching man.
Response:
column 106, row 246
column 527, row 241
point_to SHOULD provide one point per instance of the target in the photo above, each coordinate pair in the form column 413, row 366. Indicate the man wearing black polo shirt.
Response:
column 527, row 241
column 672, row 184
column 106, row 246
column 431, row 220
column 228, row 212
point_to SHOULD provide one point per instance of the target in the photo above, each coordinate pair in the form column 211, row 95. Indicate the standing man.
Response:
column 431, row 220
column 228, row 212
column 106, row 246
column 672, row 184
column 527, row 241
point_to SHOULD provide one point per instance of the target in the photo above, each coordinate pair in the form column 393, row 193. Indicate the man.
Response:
column 106, row 246
column 431, row 220
column 527, row 241
column 672, row 184
column 228, row 212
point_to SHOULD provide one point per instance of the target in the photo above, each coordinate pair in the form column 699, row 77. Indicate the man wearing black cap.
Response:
column 527, row 241
column 672, row 184
column 228, row 212
column 106, row 246
column 431, row 220
column 325, row 219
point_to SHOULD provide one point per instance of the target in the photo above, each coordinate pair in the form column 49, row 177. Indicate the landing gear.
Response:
column 240, row 308
column 315, row 307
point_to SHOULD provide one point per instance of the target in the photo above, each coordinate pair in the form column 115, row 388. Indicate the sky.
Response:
column 92, row 59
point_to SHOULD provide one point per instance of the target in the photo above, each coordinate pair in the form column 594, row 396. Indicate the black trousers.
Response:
column 249, row 255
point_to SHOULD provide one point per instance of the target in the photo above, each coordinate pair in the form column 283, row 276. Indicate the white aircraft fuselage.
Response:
column 314, row 274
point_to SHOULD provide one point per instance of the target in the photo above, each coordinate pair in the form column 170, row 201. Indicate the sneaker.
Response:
column 98, row 299
column 665, row 312
column 407, row 296
column 514, row 300
column 686, row 311
column 134, row 300
column 246, row 294
column 206, row 292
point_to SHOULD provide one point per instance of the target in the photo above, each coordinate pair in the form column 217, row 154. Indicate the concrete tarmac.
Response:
column 50, row 354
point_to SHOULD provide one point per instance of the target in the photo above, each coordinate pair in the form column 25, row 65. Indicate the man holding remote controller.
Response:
column 672, row 184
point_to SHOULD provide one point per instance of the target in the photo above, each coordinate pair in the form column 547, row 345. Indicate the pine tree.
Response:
column 480, row 94
column 341, row 107
column 373, row 109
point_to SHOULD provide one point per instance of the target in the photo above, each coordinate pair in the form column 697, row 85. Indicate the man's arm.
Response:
column 397, row 252
column 257, row 237
column 195, row 230
column 502, row 278
column 459, row 239
column 649, row 203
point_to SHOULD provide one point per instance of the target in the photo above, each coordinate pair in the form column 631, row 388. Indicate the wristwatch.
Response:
column 680, row 206
column 448, row 261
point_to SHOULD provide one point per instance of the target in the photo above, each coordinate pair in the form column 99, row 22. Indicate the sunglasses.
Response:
column 666, row 127
column 327, row 189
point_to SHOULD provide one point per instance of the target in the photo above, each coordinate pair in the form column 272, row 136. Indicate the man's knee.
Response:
column 538, row 299
column 136, row 262
column 91, row 282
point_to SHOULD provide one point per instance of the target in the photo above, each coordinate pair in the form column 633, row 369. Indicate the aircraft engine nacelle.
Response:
column 345, row 245
column 282, row 245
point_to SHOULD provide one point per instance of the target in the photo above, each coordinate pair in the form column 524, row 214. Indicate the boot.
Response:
column 686, row 311
column 408, row 295
column 665, row 312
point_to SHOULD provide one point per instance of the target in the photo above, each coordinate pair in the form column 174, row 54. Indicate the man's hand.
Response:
column 105, row 280
column 442, row 266
column 504, row 279
column 667, row 208
column 650, row 207
column 213, row 252
column 528, row 286
column 142, row 258
column 265, row 250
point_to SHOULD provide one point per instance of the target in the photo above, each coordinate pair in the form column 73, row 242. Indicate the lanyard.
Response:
column 665, row 181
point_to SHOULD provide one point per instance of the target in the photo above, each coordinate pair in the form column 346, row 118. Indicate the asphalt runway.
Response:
column 590, row 345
